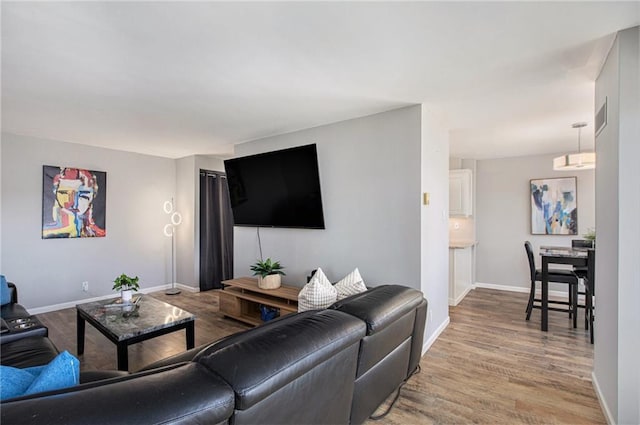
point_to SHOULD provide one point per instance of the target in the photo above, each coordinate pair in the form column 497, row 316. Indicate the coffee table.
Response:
column 126, row 324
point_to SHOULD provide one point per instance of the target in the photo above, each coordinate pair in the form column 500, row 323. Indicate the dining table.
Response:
column 557, row 255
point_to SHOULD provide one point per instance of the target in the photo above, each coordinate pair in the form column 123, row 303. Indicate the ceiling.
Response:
column 176, row 78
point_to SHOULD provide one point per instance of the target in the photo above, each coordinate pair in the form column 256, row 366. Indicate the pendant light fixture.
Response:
column 576, row 161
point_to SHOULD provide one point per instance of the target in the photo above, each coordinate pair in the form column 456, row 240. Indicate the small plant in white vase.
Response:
column 126, row 285
column 591, row 236
column 269, row 273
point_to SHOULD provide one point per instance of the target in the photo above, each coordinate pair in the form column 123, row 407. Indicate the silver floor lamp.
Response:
column 169, row 231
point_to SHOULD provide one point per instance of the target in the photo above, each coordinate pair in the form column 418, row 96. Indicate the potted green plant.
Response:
column 269, row 273
column 126, row 285
column 591, row 236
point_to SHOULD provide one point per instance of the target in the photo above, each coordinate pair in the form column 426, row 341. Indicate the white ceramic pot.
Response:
column 126, row 295
column 272, row 281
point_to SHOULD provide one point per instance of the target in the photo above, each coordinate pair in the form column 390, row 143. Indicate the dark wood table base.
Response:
column 556, row 255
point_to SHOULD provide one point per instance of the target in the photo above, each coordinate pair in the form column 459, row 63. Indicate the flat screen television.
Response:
column 276, row 189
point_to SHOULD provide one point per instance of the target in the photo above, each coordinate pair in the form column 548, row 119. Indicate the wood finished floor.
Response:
column 489, row 365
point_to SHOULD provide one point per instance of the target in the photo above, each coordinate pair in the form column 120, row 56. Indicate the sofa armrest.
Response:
column 14, row 292
column 182, row 395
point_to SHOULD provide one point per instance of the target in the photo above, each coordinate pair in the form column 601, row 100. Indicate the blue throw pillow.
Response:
column 61, row 372
column 5, row 292
column 14, row 381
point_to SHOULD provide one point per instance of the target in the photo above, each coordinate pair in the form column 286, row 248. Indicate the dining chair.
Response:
column 581, row 243
column 590, row 291
column 581, row 271
column 555, row 275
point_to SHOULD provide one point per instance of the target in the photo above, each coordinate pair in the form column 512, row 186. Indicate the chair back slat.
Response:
column 581, row 243
column 532, row 262
column 591, row 270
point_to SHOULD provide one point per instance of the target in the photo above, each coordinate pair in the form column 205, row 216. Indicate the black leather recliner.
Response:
column 391, row 350
column 13, row 312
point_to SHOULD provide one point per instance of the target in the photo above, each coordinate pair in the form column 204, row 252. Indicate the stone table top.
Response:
column 562, row 251
column 126, row 321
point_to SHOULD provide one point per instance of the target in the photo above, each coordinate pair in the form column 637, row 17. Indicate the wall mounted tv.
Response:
column 276, row 189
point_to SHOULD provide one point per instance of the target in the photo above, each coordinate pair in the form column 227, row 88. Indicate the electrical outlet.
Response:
column 85, row 286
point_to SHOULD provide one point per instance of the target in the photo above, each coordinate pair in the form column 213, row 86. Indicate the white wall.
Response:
column 50, row 271
column 434, row 230
column 616, row 370
column 373, row 171
column 503, row 216
column 370, row 180
column 606, row 348
column 1, row 138
column 629, row 229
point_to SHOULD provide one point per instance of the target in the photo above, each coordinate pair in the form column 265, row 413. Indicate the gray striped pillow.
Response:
column 318, row 293
column 351, row 284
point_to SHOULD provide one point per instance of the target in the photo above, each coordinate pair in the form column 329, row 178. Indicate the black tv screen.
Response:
column 276, row 189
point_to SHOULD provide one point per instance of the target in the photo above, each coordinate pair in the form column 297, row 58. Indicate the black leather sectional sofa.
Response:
column 332, row 366
column 23, row 341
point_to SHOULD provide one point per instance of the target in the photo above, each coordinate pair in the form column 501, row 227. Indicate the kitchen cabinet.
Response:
column 460, row 193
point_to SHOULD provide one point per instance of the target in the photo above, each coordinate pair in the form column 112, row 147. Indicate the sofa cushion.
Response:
column 375, row 347
column 27, row 352
column 14, row 311
column 350, row 285
column 259, row 362
column 318, row 293
column 380, row 306
column 61, row 372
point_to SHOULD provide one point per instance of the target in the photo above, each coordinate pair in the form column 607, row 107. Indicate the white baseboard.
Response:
column 428, row 343
column 186, row 287
column 455, row 302
column 515, row 289
column 603, row 404
column 69, row 304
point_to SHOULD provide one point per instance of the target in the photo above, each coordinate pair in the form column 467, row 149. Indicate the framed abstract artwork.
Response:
column 554, row 206
column 73, row 202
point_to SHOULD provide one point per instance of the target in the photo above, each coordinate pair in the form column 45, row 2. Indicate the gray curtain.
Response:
column 216, row 231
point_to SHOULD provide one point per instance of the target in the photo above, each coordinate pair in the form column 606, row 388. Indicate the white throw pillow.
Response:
column 351, row 284
column 318, row 293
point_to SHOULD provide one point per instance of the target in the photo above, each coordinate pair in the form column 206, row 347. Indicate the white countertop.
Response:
column 461, row 244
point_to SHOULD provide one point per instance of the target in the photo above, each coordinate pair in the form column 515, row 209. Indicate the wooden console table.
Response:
column 241, row 300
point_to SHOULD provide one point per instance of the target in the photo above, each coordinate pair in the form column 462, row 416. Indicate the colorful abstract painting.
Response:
column 554, row 207
column 73, row 203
